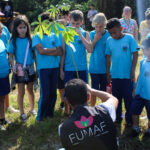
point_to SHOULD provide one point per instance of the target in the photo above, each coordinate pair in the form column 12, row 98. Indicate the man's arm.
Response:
column 104, row 96
column 56, row 51
column 86, row 41
column 134, row 62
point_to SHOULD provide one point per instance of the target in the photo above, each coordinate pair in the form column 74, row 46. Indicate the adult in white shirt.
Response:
column 92, row 12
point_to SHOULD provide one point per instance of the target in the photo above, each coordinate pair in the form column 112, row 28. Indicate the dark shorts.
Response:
column 31, row 78
column 99, row 81
column 4, row 86
column 138, row 105
column 69, row 75
column 60, row 83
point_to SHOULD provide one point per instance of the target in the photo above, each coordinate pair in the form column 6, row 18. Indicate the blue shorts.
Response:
column 99, row 81
column 4, row 86
column 138, row 105
column 69, row 75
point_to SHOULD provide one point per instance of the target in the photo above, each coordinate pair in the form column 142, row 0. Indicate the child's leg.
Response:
column 103, row 82
column 21, row 92
column 6, row 102
column 117, row 92
column 2, row 111
column 128, row 99
column 95, row 82
column 135, row 119
column 31, row 95
column 61, row 92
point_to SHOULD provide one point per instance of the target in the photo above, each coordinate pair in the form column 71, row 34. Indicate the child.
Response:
column 81, row 43
column 4, row 80
column 63, row 19
column 47, row 50
column 142, row 92
column 122, row 54
column 20, row 47
column 97, row 65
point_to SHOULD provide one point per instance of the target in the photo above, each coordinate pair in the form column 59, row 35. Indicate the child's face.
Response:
column 115, row 32
column 1, row 30
column 75, row 24
column 147, row 52
column 99, row 27
column 22, row 30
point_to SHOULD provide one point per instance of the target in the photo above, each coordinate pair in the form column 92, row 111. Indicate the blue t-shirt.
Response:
column 121, row 52
column 20, row 51
column 5, row 36
column 143, row 84
column 97, row 63
column 46, row 61
column 79, row 54
column 4, row 66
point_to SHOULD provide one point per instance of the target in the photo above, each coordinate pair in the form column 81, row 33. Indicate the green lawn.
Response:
column 44, row 136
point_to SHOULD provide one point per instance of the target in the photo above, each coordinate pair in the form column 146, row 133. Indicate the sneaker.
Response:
column 2, row 128
column 4, row 122
column 33, row 112
column 24, row 118
column 13, row 110
column 61, row 105
column 135, row 133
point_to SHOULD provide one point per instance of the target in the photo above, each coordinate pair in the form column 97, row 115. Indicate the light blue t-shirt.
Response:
column 45, row 61
column 143, row 84
column 121, row 52
column 5, row 36
column 4, row 66
column 20, row 51
column 97, row 63
column 79, row 54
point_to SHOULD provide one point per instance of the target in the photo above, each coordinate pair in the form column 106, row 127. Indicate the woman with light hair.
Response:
column 129, row 25
column 145, row 25
column 97, row 64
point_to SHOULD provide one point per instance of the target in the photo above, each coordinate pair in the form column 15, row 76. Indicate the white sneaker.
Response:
column 13, row 110
column 2, row 128
column 24, row 118
column 33, row 112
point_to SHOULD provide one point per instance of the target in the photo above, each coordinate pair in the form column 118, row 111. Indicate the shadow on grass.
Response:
column 32, row 135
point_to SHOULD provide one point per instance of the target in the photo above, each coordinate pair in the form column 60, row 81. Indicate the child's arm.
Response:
column 108, row 59
column 134, row 63
column 56, row 51
column 11, row 61
column 62, row 59
column 86, row 41
column 96, row 38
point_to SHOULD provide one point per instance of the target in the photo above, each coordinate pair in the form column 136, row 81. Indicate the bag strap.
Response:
column 27, row 51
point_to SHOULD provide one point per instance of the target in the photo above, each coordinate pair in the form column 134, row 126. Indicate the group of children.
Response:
column 113, row 60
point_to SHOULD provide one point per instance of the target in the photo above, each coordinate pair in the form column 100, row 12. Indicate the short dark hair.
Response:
column 64, row 12
column 46, row 16
column 76, row 92
column 92, row 5
column 114, row 22
column 76, row 15
column 146, row 43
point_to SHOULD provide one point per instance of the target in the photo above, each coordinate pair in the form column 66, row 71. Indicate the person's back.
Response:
column 90, row 125
column 89, row 128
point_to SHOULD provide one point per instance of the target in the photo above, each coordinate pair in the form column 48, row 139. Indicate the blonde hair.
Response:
column 126, row 7
column 99, row 18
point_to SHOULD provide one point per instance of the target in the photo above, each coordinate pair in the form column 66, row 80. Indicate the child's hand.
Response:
column 78, row 31
column 97, row 37
column 133, row 93
column 14, row 69
column 132, row 76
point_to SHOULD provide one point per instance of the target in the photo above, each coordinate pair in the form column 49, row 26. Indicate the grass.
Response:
column 44, row 136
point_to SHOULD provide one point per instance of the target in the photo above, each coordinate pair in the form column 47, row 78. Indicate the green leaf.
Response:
column 39, row 18
column 34, row 23
column 36, row 30
column 61, row 26
column 41, row 32
column 86, row 122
